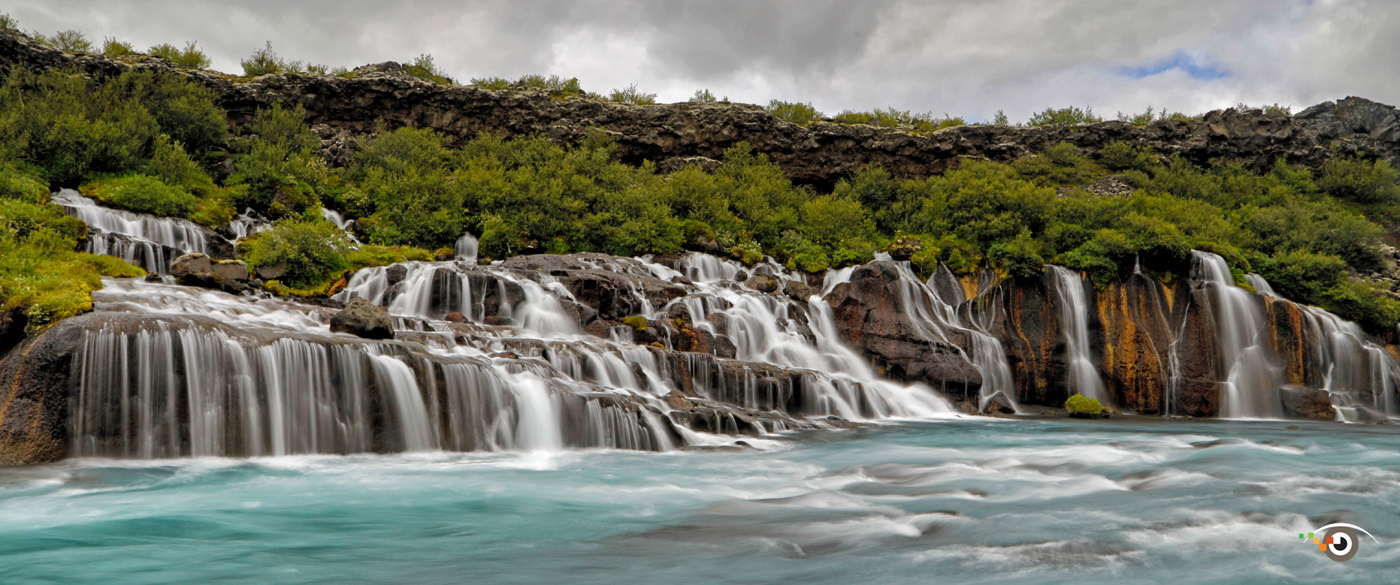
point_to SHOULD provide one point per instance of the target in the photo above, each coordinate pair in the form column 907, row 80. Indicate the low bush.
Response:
column 1069, row 116
column 632, row 96
column 423, row 67
column 142, row 194
column 114, row 48
column 71, row 41
column 265, row 61
column 794, row 112
column 313, row 251
column 189, row 57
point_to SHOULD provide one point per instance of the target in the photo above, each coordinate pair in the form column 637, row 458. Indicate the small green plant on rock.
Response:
column 795, row 112
column 1081, row 406
column 636, row 322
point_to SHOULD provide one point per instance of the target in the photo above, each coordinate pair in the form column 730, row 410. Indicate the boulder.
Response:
column 393, row 274
column 230, row 269
column 998, row 405
column 191, row 264
column 272, row 271
column 798, row 291
column 904, row 248
column 763, row 283
column 361, row 318
column 199, row 270
column 1304, row 402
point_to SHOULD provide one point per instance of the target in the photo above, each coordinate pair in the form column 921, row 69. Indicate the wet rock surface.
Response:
column 870, row 315
column 363, row 319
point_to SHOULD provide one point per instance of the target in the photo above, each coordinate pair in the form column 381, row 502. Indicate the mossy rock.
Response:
column 1081, row 406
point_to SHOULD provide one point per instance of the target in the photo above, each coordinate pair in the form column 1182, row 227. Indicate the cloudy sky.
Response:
column 965, row 58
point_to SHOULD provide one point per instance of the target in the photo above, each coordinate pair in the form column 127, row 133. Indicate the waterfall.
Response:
column 1074, row 319
column 465, row 249
column 144, row 240
column 1251, row 378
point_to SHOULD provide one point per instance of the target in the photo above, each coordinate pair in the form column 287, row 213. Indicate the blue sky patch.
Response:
column 1197, row 67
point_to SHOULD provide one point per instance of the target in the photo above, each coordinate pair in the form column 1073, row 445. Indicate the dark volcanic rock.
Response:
column 33, row 419
column 1302, row 402
column 870, row 314
column 360, row 317
column 200, row 270
column 999, row 405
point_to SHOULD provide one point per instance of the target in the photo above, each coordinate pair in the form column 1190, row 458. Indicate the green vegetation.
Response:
column 71, row 41
column 113, row 48
column 557, row 87
column 633, row 96
column 190, row 57
column 1070, row 116
column 893, row 118
column 1149, row 116
column 795, row 112
column 313, row 251
column 1081, row 406
column 423, row 67
column 8, row 23
column 265, row 61
column 38, row 267
column 703, row 96
column 637, row 323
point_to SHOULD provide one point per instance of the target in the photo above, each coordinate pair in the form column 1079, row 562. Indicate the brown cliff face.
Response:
column 819, row 154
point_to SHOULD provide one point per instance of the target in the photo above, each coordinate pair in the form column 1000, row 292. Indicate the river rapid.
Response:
column 966, row 501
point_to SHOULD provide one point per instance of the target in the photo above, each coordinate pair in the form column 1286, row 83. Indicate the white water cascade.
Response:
column 1074, row 319
column 143, row 240
column 1252, row 379
column 465, row 249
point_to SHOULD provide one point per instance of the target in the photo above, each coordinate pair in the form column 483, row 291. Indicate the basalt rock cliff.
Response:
column 675, row 135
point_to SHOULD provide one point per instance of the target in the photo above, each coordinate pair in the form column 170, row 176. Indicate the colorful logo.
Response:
column 1338, row 540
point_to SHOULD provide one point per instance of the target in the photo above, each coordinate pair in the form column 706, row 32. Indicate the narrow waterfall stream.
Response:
column 1074, row 319
column 1251, row 376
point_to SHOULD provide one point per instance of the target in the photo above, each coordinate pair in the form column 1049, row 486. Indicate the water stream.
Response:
column 1074, row 319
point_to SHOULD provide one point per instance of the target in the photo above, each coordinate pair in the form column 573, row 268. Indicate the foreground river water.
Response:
column 962, row 501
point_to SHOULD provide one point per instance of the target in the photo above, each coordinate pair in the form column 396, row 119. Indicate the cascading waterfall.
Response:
column 144, row 240
column 1355, row 371
column 1074, row 319
column 776, row 330
column 465, row 249
column 1251, row 378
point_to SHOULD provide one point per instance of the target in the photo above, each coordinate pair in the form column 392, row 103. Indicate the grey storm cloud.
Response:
column 959, row 57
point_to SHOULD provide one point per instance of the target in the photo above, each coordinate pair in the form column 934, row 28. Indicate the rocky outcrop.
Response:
column 200, row 270
column 34, row 383
column 694, row 133
column 870, row 313
column 1302, row 402
column 363, row 319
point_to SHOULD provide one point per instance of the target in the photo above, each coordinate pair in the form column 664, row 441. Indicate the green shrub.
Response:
column 265, row 61
column 1081, row 406
column 142, row 194
column 23, row 186
column 1121, row 156
column 496, row 83
column 556, row 86
column 633, row 96
column 637, row 323
column 40, row 270
column 279, row 171
column 114, row 48
column 314, row 251
column 1362, row 303
column 1301, row 275
column 423, row 67
column 1020, row 257
column 1266, row 108
column 190, row 57
column 1058, row 165
column 1351, row 178
column 1070, row 116
column 703, row 96
column 8, row 23
column 795, row 112
column 368, row 255
column 71, row 41
column 1000, row 119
